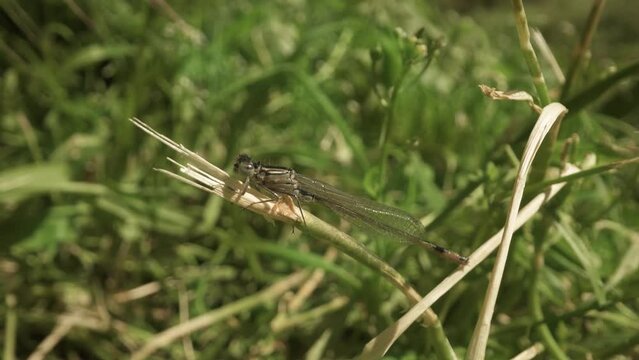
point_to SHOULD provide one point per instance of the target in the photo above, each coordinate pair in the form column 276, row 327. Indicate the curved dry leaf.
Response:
column 512, row 95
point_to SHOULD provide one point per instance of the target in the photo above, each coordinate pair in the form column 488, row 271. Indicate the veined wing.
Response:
column 385, row 218
column 389, row 221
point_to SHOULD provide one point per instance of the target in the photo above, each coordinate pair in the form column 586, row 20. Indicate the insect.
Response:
column 277, row 181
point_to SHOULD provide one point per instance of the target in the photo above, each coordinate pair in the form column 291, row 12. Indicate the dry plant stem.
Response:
column 59, row 332
column 337, row 53
column 534, row 300
column 354, row 249
column 317, row 350
column 517, row 95
column 548, row 118
column 377, row 347
column 66, row 322
column 296, row 302
column 170, row 335
column 203, row 175
column 137, row 293
column 208, row 177
column 311, row 284
column 309, row 316
column 582, row 48
column 530, row 353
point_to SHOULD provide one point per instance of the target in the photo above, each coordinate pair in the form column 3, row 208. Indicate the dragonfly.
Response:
column 277, row 181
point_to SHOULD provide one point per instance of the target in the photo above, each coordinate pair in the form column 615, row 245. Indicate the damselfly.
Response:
column 276, row 181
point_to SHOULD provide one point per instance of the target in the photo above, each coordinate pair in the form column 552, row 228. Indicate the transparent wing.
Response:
column 387, row 219
column 370, row 215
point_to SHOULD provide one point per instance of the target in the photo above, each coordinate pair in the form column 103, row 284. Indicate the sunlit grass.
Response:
column 103, row 257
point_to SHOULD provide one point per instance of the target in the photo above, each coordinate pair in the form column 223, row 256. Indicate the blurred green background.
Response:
column 84, row 217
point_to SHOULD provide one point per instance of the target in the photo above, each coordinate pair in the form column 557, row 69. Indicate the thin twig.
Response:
column 210, row 178
column 203, row 175
column 356, row 250
column 66, row 322
column 61, row 329
column 311, row 284
column 548, row 118
column 378, row 346
column 172, row 334
column 337, row 53
column 308, row 316
column 530, row 353
column 136, row 293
